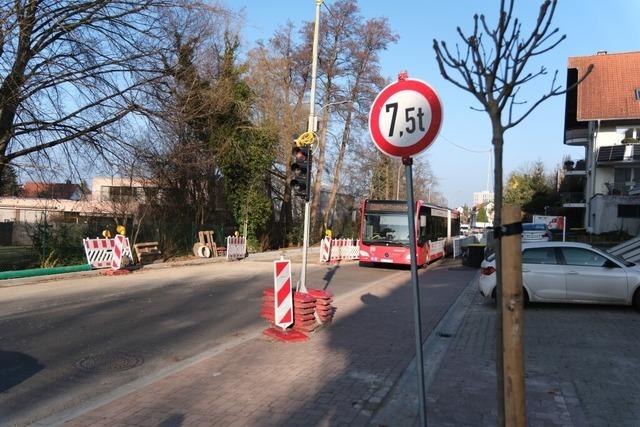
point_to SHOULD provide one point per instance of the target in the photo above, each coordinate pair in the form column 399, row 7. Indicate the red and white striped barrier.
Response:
column 118, row 251
column 283, row 301
column 325, row 249
column 334, row 250
column 100, row 251
column 236, row 247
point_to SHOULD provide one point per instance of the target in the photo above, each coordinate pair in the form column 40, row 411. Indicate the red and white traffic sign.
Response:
column 283, row 301
column 405, row 118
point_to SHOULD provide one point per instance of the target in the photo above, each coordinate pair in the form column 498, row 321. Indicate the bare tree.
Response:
column 492, row 64
column 363, row 81
column 71, row 69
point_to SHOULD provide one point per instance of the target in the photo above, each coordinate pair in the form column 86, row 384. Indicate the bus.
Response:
column 384, row 232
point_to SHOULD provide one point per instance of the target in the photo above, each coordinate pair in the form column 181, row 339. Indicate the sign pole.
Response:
column 408, row 162
column 404, row 120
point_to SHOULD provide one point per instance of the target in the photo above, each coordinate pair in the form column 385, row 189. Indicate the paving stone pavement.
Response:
column 581, row 365
column 341, row 376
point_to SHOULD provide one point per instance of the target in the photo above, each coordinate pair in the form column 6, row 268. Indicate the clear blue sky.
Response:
column 590, row 26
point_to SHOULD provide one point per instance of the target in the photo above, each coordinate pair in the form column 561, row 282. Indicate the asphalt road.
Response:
column 64, row 342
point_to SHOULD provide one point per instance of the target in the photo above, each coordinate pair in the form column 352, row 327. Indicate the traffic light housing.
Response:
column 301, row 171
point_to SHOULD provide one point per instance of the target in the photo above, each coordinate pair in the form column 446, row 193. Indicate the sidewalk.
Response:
column 461, row 378
column 340, row 376
column 581, row 368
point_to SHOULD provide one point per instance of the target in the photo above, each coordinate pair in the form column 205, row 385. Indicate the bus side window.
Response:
column 422, row 236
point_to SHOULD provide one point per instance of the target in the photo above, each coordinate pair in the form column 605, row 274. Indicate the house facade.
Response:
column 603, row 116
column 110, row 197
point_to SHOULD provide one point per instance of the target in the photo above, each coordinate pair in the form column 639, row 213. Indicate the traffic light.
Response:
column 301, row 171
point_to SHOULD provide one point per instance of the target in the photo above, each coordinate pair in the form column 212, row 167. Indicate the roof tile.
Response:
column 609, row 92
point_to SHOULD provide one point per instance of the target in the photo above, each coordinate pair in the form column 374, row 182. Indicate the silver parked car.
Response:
column 535, row 232
column 570, row 272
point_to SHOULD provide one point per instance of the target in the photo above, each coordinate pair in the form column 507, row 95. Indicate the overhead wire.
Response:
column 465, row 148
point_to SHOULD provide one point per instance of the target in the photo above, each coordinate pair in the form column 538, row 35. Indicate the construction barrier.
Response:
column 236, row 247
column 335, row 250
column 325, row 249
column 283, row 304
column 100, row 251
column 461, row 242
column 119, row 244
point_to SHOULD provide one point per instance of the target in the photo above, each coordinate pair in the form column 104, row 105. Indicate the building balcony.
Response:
column 578, row 137
column 577, row 168
column 573, row 199
column 622, row 188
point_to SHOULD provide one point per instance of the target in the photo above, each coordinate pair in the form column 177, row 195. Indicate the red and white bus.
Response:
column 384, row 232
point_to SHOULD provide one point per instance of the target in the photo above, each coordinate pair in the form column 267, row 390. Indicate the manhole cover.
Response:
column 111, row 362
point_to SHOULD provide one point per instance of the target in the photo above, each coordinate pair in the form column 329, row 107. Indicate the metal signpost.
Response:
column 404, row 120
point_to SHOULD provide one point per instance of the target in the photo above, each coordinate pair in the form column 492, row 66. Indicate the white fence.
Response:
column 461, row 242
column 333, row 250
column 100, row 251
column 236, row 247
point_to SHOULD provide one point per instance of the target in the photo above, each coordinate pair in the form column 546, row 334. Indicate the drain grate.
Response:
column 445, row 334
column 109, row 362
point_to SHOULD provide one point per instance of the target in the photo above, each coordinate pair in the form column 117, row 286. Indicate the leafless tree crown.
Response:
column 491, row 63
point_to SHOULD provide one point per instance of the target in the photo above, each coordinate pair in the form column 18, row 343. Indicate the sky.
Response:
column 461, row 155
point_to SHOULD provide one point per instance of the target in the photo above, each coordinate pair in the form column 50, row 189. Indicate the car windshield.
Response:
column 533, row 227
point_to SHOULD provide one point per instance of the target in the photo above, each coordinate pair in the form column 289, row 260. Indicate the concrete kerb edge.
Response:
column 59, row 418
column 400, row 405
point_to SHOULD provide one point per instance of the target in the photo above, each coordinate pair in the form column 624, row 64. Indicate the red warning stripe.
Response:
column 284, row 291
column 280, row 266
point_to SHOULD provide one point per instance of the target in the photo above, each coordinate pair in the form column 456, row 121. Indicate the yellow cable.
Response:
column 306, row 138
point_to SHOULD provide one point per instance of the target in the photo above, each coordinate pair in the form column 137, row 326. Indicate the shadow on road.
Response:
column 328, row 276
column 16, row 368
column 173, row 420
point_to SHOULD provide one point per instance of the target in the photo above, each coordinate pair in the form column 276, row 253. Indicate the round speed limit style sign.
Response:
column 405, row 118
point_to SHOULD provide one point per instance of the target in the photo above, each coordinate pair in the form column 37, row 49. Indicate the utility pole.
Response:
column 311, row 127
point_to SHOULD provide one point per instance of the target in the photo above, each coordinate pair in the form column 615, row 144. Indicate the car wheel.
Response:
column 636, row 299
column 525, row 301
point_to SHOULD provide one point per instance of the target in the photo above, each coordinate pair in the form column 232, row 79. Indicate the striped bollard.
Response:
column 118, row 251
column 283, row 301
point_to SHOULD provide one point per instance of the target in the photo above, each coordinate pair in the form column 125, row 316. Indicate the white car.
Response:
column 535, row 232
column 570, row 272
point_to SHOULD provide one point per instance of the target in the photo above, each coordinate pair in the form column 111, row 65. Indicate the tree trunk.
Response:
column 336, row 175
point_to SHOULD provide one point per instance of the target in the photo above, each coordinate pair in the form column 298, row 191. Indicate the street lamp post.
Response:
column 310, row 128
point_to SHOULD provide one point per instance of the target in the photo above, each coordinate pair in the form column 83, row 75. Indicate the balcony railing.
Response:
column 618, row 188
column 572, row 197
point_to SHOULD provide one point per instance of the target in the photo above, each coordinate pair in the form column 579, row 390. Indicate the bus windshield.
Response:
column 386, row 228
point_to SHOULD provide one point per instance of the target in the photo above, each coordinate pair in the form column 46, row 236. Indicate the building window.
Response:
column 637, row 94
column 628, row 211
